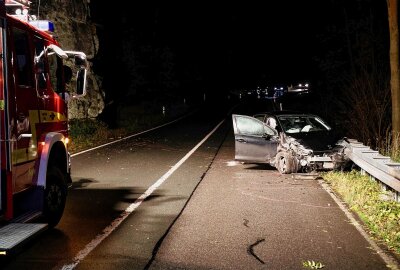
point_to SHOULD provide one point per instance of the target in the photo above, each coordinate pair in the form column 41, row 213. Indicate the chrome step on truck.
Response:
column 15, row 235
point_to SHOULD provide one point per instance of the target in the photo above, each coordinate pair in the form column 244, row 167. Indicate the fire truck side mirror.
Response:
column 67, row 74
column 81, row 82
column 81, row 63
column 80, row 60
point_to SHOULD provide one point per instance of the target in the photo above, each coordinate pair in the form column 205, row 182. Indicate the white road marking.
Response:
column 110, row 228
column 390, row 262
column 130, row 136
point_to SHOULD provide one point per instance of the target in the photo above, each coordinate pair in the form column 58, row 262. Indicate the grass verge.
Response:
column 88, row 133
column 366, row 198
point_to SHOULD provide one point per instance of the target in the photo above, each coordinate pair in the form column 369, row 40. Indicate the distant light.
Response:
column 281, row 88
column 306, row 85
column 300, row 85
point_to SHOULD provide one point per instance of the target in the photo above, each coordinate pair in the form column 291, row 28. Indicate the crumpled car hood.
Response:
column 317, row 141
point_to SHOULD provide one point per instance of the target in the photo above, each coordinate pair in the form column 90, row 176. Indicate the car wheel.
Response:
column 55, row 196
column 285, row 163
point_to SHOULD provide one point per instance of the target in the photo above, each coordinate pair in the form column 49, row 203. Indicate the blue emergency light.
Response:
column 44, row 25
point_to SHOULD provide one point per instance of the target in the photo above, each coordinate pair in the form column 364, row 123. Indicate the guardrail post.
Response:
column 378, row 167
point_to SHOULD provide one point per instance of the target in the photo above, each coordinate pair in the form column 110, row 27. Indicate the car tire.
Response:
column 285, row 163
column 55, row 195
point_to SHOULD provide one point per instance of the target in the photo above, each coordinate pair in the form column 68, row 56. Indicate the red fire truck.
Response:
column 36, row 82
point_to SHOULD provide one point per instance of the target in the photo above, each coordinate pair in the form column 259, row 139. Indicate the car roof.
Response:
column 284, row 112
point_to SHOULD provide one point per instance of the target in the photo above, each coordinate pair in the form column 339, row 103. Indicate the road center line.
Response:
column 115, row 223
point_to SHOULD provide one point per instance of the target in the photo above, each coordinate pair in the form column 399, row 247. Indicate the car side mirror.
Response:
column 268, row 130
column 267, row 136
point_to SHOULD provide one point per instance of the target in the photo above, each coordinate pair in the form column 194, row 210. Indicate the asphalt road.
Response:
column 173, row 198
column 108, row 180
column 248, row 216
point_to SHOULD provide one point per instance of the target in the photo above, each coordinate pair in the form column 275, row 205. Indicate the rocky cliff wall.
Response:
column 75, row 31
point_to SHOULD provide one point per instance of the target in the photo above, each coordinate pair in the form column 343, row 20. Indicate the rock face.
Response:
column 76, row 32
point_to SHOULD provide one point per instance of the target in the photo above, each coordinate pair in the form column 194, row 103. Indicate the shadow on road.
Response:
column 259, row 166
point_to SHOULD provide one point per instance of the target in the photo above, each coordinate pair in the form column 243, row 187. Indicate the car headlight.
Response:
column 303, row 162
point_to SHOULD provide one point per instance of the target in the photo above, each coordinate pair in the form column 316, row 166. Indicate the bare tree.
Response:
column 394, row 67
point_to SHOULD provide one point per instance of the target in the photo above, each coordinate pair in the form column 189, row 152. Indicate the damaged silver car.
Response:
column 290, row 141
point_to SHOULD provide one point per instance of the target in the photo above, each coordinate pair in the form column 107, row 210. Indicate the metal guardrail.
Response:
column 380, row 167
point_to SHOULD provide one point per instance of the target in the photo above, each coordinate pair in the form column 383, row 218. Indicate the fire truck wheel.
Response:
column 55, row 196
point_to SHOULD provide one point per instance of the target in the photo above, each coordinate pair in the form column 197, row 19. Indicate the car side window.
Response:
column 260, row 117
column 250, row 126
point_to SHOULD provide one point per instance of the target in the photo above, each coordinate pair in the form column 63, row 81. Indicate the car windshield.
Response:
column 302, row 123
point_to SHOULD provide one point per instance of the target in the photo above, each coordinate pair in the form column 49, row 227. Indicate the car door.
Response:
column 254, row 140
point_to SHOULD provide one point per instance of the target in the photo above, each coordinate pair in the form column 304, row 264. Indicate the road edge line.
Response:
column 388, row 259
column 134, row 135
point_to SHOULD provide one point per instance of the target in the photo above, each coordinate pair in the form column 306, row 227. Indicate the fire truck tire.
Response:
column 55, row 196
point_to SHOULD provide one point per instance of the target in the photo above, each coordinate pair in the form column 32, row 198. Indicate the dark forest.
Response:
column 169, row 51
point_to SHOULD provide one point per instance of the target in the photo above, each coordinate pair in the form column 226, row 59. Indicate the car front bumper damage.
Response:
column 308, row 160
